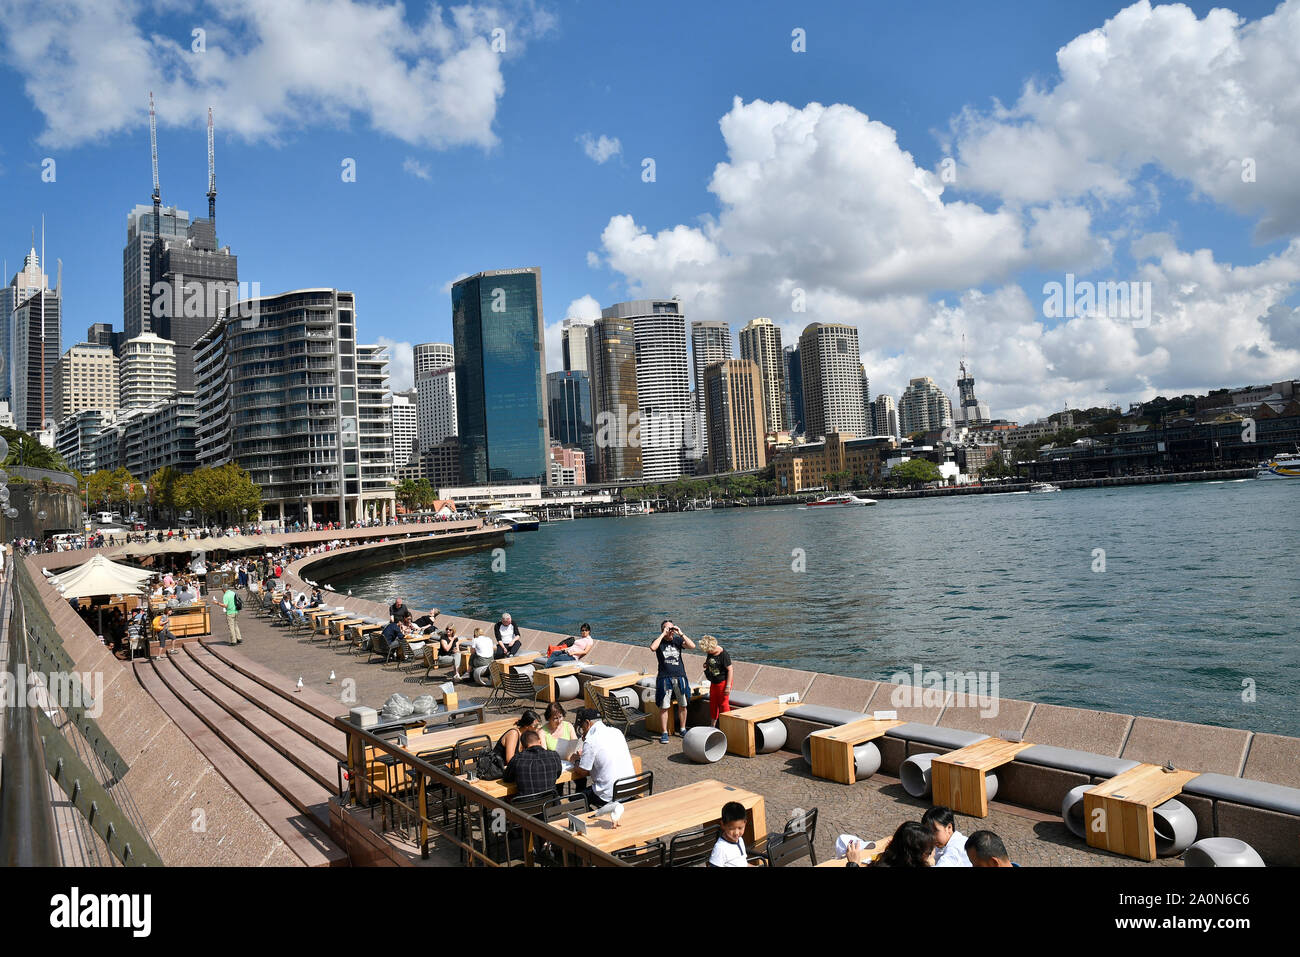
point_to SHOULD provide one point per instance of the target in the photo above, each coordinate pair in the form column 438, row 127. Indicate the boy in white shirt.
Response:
column 729, row 851
column 949, row 843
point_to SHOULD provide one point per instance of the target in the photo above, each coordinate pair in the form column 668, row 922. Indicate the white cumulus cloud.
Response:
column 600, row 149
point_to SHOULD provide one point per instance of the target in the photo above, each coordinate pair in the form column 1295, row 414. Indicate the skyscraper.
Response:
column 792, row 392
column 663, row 385
column 500, row 386
column 832, row 380
column 173, row 223
column 570, row 416
column 435, row 397
column 884, row 417
column 146, row 370
column 611, row 360
column 923, row 407
column 26, row 283
column 573, row 341
column 710, row 343
column 85, row 378
column 405, row 427
column 374, row 423
column 198, row 281
column 969, row 411
column 431, row 356
column 37, row 339
column 760, row 343
column 735, row 404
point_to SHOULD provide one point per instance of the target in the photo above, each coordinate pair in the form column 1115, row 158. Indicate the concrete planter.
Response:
column 704, row 745
column 566, row 687
column 915, row 774
column 1222, row 852
column 769, row 736
column 866, row 760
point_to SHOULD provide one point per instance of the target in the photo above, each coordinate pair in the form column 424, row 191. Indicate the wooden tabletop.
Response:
column 447, row 737
column 758, row 712
column 983, row 755
column 1119, row 813
column 668, row 812
column 856, row 732
column 608, row 685
column 1146, row 784
column 505, row 789
column 559, row 671
column 871, row 855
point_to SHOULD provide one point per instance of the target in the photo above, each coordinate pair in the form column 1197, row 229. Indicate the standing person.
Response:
column 165, row 633
column 718, row 669
column 949, row 843
column 231, row 601
column 397, row 610
column 508, row 637
column 671, row 679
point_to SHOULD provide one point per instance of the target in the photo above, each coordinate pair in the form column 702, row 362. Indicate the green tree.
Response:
column 915, row 472
column 162, row 488
column 224, row 493
column 26, row 450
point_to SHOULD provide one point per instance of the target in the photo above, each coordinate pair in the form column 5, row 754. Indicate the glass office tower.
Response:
column 571, row 420
column 500, row 388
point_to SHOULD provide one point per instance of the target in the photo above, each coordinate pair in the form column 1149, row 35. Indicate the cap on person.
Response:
column 587, row 714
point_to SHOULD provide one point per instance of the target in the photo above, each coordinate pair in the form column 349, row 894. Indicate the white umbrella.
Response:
column 99, row 576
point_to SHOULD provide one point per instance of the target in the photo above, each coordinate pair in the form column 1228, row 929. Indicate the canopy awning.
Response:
column 99, row 576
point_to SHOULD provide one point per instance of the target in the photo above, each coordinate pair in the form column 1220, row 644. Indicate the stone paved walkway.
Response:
column 870, row 809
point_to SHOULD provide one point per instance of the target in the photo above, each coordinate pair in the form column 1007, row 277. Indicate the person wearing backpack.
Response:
column 233, row 607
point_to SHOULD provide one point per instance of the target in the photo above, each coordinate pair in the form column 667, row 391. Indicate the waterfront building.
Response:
column 75, row 439
column 37, row 338
column 969, row 412
column 568, row 466
column 760, row 343
column 173, row 224
column 85, row 378
column 884, row 416
column 736, row 408
column 710, row 343
column 25, row 283
column 161, row 436
column 279, row 395
column 667, row 425
column 374, row 426
column 500, row 386
column 792, row 389
column 146, row 371
column 405, row 426
column 924, row 407
column 518, row 494
column 574, row 334
column 569, row 394
column 432, row 356
column 808, row 465
column 435, row 397
column 832, row 380
column 611, row 361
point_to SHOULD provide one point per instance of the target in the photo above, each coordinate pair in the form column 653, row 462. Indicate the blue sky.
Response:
column 495, row 174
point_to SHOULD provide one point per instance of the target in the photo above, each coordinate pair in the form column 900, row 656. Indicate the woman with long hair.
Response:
column 911, row 846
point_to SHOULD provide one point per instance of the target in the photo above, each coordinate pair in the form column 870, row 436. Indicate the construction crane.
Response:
column 157, row 195
column 212, row 176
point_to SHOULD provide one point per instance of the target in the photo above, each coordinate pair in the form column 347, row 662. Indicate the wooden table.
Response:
column 502, row 666
column 871, row 855
column 446, row 737
column 341, row 624
column 654, row 723
column 668, row 812
column 320, row 618
column 832, row 748
column 609, row 686
column 507, row 789
column 544, row 680
column 738, row 725
column 957, row 778
column 1117, row 813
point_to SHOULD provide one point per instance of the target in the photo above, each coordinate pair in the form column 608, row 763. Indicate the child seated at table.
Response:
column 729, row 851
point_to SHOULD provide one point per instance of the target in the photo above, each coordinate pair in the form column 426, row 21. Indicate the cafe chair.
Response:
column 558, row 808
column 791, row 849
column 468, row 751
column 801, row 822
column 382, row 647
column 629, row 789
column 692, row 848
column 515, row 689
column 645, row 855
column 618, row 715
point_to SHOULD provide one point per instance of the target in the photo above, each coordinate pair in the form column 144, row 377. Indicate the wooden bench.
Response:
column 957, row 778
column 832, row 748
column 607, row 686
column 544, row 680
column 1117, row 813
column 738, row 725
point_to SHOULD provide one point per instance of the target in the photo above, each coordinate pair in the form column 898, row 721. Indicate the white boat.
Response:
column 844, row 500
column 1280, row 467
column 519, row 521
column 1044, row 487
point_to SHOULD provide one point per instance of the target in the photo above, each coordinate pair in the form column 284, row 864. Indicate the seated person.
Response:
column 393, row 634
column 533, row 769
column 950, row 843
column 508, row 744
column 480, row 652
column 286, row 606
column 556, row 727
column 729, row 851
column 447, row 644
column 603, row 757
column 582, row 647
column 428, row 623
column 985, row 849
column 559, row 654
column 317, row 599
column 911, row 846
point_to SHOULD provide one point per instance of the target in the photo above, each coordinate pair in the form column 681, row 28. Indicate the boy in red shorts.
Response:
column 717, row 668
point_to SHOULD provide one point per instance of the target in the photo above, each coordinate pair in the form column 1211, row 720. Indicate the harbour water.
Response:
column 1192, row 613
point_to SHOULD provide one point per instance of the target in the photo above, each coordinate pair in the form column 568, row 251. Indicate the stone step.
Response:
column 300, row 833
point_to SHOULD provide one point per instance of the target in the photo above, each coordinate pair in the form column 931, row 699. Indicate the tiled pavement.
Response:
column 871, row 809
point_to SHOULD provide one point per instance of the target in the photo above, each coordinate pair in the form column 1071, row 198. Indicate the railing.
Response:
column 472, row 806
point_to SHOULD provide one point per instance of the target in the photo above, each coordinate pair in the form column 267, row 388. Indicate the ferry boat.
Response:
column 518, row 521
column 1280, row 467
column 844, row 500
column 1044, row 487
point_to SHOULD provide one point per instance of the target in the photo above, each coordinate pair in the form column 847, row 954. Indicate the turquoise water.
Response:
column 1199, row 594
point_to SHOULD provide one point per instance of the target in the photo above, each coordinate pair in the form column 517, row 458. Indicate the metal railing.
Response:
column 409, row 799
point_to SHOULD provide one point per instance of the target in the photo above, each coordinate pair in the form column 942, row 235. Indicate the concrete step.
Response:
column 305, row 792
column 300, row 832
column 313, row 702
column 307, row 756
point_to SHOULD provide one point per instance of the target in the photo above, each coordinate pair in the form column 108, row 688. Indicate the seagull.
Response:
column 613, row 810
column 299, row 688
column 331, row 681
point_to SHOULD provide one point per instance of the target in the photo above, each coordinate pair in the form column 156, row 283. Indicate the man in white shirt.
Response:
column 508, row 637
column 603, row 757
column 949, row 843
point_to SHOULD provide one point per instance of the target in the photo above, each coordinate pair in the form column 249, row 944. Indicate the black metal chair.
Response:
column 615, row 714
column 560, row 807
column 791, row 849
column 438, row 795
column 692, row 848
column 383, row 648
column 468, row 751
column 644, row 855
column 515, row 689
column 629, row 789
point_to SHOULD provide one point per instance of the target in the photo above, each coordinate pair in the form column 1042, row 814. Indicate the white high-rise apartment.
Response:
column 663, row 385
column 435, row 406
column 574, row 334
column 760, row 343
column 405, row 426
column 832, row 380
column 374, row 421
column 85, row 378
column 923, row 407
column 146, row 371
column 710, row 343
column 884, row 417
column 431, row 356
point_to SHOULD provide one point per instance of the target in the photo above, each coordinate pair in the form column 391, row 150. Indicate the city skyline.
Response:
column 1095, row 219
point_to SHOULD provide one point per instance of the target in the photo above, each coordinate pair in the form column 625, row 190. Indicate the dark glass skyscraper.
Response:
column 500, row 391
column 569, row 394
column 793, row 389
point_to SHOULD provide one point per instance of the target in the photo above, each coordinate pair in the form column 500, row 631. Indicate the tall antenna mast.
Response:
column 157, row 203
column 212, row 176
